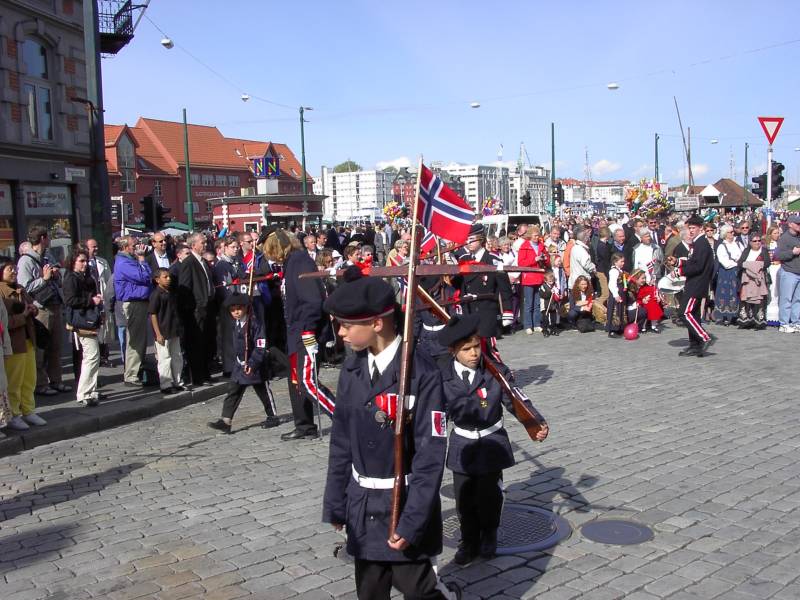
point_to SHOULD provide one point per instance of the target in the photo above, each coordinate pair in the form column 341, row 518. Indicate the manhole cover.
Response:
column 522, row 529
column 617, row 531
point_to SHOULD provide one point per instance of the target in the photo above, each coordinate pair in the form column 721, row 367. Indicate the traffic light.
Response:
column 161, row 212
column 760, row 187
column 558, row 193
column 777, row 180
column 526, row 199
column 148, row 213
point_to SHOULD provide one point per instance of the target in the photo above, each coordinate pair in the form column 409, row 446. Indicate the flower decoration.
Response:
column 492, row 206
column 647, row 200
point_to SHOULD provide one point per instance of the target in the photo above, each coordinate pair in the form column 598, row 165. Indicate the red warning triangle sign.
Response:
column 771, row 127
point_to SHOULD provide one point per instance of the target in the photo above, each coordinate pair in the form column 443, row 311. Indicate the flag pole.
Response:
column 406, row 357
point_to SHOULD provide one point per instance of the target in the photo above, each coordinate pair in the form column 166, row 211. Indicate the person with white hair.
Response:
column 726, row 299
column 647, row 256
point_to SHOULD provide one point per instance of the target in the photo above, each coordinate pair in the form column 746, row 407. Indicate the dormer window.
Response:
column 126, row 163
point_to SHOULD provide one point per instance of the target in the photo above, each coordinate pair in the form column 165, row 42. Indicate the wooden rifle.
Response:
column 250, row 312
column 526, row 414
column 464, row 268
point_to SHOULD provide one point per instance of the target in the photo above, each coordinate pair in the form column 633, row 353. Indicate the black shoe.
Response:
column 489, row 543
column 92, row 402
column 614, row 334
column 133, row 384
column 270, row 422
column 465, row 554
column 655, row 330
column 703, row 349
column 178, row 388
column 690, row 351
column 220, row 425
column 545, row 332
column 556, row 332
column 296, row 434
column 167, row 391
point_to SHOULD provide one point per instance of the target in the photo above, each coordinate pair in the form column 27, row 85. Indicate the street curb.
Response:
column 75, row 421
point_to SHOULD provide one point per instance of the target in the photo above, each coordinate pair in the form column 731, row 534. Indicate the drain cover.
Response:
column 522, row 529
column 617, row 531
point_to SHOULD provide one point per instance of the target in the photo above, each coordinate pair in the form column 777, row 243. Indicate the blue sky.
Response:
column 389, row 81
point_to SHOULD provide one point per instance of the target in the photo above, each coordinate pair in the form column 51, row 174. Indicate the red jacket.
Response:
column 526, row 257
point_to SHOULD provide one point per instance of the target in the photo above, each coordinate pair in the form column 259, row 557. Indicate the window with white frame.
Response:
column 157, row 188
column 36, row 88
column 208, row 180
column 233, row 181
column 221, row 180
column 126, row 162
column 195, row 178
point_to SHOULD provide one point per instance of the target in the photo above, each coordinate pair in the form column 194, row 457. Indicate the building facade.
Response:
column 531, row 180
column 45, row 148
column 148, row 159
column 480, row 182
column 355, row 196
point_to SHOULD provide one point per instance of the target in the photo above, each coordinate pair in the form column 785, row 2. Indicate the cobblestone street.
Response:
column 704, row 451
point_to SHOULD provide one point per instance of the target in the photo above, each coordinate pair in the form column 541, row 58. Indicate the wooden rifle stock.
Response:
column 526, row 414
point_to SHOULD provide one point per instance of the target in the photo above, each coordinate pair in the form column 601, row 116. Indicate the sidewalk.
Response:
column 68, row 419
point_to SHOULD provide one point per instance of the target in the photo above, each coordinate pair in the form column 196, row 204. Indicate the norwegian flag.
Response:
column 428, row 243
column 441, row 210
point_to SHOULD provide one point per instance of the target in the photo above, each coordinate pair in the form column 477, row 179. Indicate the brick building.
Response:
column 44, row 134
column 148, row 159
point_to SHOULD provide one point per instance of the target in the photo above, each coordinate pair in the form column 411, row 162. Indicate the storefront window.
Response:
column 6, row 219
column 51, row 207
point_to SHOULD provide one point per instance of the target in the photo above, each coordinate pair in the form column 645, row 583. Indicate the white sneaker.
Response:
column 529, row 331
column 795, row 327
column 786, row 329
column 34, row 419
column 17, row 424
column 537, row 329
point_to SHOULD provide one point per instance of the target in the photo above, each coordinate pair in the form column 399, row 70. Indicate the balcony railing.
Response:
column 116, row 25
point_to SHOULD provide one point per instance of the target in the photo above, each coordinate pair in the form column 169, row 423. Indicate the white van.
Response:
column 496, row 223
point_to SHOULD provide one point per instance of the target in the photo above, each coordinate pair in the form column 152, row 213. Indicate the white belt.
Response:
column 432, row 327
column 475, row 434
column 374, row 483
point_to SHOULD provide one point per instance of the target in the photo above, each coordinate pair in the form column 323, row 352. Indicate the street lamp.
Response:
column 167, row 43
column 715, row 141
column 303, row 159
column 474, row 104
column 245, row 97
column 613, row 86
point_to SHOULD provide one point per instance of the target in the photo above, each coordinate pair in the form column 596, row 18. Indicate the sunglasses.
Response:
column 759, row 241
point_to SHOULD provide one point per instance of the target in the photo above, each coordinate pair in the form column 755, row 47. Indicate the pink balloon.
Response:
column 631, row 331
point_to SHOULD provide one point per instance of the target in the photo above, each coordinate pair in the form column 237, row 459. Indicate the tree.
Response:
column 390, row 169
column 347, row 166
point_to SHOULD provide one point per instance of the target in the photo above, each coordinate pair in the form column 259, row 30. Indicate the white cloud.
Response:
column 397, row 163
column 604, row 167
column 698, row 170
column 643, row 171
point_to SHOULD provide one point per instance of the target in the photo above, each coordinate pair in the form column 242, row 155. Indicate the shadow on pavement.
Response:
column 34, row 545
column 533, row 375
column 64, row 491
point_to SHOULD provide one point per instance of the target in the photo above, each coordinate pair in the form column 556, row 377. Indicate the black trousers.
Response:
column 690, row 310
column 199, row 340
column 479, row 502
column 234, row 397
column 415, row 580
column 305, row 390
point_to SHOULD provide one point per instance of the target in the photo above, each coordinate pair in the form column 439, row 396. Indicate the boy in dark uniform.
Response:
column 496, row 312
column 358, row 490
column 479, row 445
column 698, row 269
column 248, row 332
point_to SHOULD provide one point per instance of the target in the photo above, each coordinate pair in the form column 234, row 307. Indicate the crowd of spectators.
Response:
column 165, row 291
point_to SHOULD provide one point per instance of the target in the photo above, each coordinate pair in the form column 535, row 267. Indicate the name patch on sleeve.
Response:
column 438, row 423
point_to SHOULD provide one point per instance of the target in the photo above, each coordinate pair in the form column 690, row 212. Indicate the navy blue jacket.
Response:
column 304, row 297
column 463, row 404
column 497, row 284
column 698, row 269
column 359, row 441
column 256, row 351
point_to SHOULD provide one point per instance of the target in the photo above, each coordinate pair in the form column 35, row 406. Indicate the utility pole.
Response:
column 656, row 175
column 745, row 186
column 552, row 167
column 303, row 161
column 189, row 201
column 769, row 185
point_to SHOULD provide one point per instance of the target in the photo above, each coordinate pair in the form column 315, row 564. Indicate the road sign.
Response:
column 259, row 168
column 687, row 203
column 771, row 126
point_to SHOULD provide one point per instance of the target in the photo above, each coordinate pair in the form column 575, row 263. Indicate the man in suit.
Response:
column 196, row 302
column 743, row 237
column 159, row 258
column 698, row 268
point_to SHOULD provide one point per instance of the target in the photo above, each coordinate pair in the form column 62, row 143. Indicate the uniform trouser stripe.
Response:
column 327, row 402
column 698, row 329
